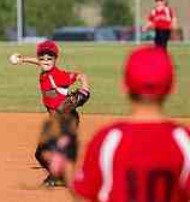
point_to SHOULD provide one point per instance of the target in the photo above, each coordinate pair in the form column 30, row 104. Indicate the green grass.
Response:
column 103, row 65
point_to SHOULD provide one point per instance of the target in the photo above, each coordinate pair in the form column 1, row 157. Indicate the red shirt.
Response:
column 61, row 79
column 137, row 162
column 161, row 17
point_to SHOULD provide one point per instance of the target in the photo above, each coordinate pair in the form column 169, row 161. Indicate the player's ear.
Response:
column 123, row 87
column 57, row 59
column 174, row 87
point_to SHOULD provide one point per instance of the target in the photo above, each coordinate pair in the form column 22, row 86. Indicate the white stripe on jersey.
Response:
column 168, row 16
column 62, row 91
column 153, row 13
column 183, row 141
column 106, row 159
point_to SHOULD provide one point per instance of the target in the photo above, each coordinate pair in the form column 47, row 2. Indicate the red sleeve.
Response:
column 172, row 13
column 72, row 76
column 182, row 138
column 87, row 181
column 187, row 186
column 151, row 15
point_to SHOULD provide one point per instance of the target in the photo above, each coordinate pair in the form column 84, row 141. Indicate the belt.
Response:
column 54, row 92
column 50, row 93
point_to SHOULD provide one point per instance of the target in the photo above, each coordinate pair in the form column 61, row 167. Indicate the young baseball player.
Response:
column 163, row 19
column 147, row 157
column 54, row 82
column 54, row 85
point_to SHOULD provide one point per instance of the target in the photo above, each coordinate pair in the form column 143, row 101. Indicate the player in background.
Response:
column 162, row 19
column 147, row 157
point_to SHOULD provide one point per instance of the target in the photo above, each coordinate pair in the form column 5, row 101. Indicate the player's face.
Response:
column 160, row 3
column 46, row 62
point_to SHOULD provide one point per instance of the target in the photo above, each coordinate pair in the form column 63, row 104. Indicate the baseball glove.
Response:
column 75, row 99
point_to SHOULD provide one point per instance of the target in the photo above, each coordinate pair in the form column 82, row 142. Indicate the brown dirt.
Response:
column 19, row 177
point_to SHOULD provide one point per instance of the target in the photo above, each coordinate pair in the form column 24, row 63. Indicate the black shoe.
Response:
column 52, row 181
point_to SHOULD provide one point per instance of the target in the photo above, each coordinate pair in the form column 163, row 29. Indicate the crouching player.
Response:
column 147, row 157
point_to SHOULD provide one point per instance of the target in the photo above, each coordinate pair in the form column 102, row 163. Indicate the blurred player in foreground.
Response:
column 163, row 19
column 147, row 157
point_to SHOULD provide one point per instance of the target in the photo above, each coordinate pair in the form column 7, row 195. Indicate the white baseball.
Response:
column 14, row 59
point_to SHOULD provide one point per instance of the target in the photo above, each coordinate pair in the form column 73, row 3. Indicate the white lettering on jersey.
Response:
column 183, row 141
column 107, row 153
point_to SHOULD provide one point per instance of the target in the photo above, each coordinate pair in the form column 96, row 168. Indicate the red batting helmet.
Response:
column 48, row 47
column 149, row 71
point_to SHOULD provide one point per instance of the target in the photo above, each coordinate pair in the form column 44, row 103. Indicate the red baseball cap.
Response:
column 49, row 47
column 149, row 71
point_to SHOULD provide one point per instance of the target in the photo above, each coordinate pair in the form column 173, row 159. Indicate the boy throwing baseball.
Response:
column 54, row 82
column 54, row 85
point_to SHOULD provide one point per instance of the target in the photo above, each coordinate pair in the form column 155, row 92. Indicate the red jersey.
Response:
column 162, row 17
column 137, row 162
column 58, row 80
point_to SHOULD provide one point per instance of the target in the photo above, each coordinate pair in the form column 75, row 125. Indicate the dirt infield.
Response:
column 19, row 175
